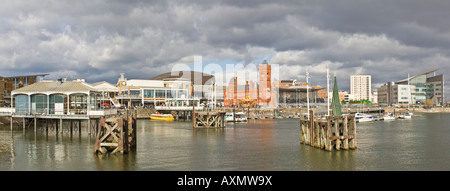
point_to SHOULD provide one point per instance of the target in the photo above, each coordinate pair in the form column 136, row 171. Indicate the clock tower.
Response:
column 265, row 83
column 122, row 83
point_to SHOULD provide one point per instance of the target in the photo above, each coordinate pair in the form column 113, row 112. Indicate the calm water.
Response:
column 418, row 144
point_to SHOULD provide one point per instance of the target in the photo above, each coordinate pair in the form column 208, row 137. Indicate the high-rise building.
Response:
column 361, row 87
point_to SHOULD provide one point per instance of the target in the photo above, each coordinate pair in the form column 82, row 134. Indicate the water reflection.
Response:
column 417, row 144
column 115, row 162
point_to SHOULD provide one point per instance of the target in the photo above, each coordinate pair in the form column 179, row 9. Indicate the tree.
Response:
column 428, row 103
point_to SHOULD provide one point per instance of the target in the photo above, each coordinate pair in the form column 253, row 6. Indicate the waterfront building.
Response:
column 201, row 82
column 58, row 97
column 167, row 92
column 295, row 94
column 414, row 90
column 8, row 84
column 361, row 86
column 265, row 85
column 109, row 93
column 374, row 98
column 342, row 95
column 435, row 89
column 322, row 94
column 241, row 95
column 252, row 94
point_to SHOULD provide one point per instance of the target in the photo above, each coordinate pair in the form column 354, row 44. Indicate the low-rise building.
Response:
column 167, row 92
column 56, row 97
column 413, row 90
column 8, row 84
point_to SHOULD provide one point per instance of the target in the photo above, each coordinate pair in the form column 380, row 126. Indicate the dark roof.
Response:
column 406, row 80
column 206, row 79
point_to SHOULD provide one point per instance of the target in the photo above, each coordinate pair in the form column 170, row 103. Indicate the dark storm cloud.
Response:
column 99, row 39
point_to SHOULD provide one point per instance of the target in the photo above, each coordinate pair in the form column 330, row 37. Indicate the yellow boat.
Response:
column 161, row 117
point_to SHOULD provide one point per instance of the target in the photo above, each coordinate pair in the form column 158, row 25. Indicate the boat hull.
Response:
column 162, row 118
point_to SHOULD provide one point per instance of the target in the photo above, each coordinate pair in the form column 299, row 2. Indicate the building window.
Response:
column 160, row 93
column 135, row 93
column 170, row 93
column 149, row 93
column 21, row 103
column 39, row 104
column 55, row 99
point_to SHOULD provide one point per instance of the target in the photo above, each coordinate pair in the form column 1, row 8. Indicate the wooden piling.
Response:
column 35, row 125
column 336, row 132
column 116, row 134
column 11, row 123
column 208, row 120
column 345, row 131
column 23, row 123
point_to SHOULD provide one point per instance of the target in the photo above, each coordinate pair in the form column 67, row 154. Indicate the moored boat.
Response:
column 388, row 116
column 361, row 117
column 239, row 117
column 405, row 116
column 162, row 117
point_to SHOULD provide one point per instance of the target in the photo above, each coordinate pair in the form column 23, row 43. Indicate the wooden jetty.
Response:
column 333, row 132
column 117, row 134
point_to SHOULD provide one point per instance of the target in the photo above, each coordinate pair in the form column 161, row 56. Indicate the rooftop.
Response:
column 48, row 87
column 206, row 79
column 409, row 79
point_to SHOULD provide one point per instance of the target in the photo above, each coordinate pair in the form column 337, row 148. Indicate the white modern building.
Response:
column 414, row 90
column 361, row 87
column 167, row 92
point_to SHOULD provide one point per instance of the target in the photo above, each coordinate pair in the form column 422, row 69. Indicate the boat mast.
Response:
column 410, row 96
column 307, row 91
column 328, row 92
column 215, row 95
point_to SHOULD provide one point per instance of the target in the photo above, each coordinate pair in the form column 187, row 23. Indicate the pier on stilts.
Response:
column 114, row 133
column 333, row 132
column 55, row 123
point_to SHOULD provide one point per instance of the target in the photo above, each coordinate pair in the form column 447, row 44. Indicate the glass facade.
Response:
column 78, row 103
column 21, row 103
column 39, row 104
column 160, row 94
column 149, row 93
column 166, row 93
column 58, row 99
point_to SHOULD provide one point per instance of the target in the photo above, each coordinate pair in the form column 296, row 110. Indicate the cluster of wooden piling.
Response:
column 208, row 119
column 337, row 132
column 117, row 134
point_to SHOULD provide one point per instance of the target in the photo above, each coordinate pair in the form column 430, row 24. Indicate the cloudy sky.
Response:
column 98, row 39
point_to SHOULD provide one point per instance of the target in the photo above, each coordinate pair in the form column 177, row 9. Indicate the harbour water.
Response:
column 420, row 143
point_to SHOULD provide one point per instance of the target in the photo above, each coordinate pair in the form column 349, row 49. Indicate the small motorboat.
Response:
column 388, row 117
column 162, row 117
column 240, row 117
column 361, row 117
column 405, row 116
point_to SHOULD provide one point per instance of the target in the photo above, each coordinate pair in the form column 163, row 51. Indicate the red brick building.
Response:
column 252, row 94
